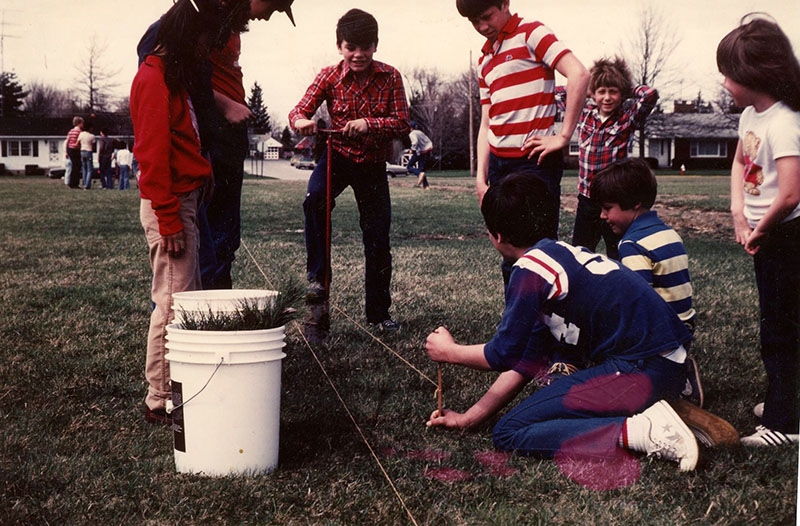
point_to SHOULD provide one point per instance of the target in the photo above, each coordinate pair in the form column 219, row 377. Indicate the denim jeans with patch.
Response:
column 582, row 414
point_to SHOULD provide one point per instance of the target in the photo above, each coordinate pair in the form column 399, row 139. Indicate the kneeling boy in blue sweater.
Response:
column 569, row 300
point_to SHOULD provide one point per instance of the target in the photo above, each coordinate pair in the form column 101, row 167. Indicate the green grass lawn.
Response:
column 74, row 448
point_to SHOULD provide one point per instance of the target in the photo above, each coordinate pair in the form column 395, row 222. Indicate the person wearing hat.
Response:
column 218, row 98
column 228, row 152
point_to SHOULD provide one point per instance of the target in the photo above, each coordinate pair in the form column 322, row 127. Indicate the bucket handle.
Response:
column 170, row 407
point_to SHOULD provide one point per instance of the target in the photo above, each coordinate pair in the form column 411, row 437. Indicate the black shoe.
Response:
column 315, row 292
column 693, row 390
column 157, row 416
column 387, row 325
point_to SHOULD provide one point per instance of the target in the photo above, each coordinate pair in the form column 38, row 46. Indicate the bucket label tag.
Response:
column 178, row 436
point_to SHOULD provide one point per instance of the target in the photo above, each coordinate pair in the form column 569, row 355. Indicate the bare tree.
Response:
column 95, row 78
column 650, row 53
column 441, row 106
column 725, row 105
column 426, row 87
column 46, row 100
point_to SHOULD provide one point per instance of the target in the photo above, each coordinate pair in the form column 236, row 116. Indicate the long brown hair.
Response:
column 181, row 29
column 759, row 56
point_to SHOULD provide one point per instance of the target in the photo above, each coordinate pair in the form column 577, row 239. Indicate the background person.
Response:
column 87, row 141
column 73, row 177
column 123, row 158
column 421, row 146
column 105, row 151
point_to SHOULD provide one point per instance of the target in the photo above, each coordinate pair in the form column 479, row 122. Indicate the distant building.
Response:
column 696, row 140
column 266, row 147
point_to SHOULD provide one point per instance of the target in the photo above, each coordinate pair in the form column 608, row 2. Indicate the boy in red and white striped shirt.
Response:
column 516, row 74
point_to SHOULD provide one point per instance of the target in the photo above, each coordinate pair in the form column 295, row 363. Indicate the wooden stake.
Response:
column 439, row 390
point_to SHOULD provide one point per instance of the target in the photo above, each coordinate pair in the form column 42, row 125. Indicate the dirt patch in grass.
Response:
column 685, row 220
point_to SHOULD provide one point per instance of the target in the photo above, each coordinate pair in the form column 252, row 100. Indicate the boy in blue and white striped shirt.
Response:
column 626, row 191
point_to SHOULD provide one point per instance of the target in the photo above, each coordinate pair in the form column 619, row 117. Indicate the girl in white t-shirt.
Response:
column 762, row 74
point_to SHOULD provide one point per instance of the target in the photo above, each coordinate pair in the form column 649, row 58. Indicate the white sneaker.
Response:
column 758, row 410
column 768, row 437
column 666, row 436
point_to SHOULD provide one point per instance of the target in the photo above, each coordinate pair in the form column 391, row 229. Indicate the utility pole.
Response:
column 3, row 36
column 471, row 131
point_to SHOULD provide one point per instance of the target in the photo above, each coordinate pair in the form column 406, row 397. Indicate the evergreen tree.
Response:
column 287, row 140
column 260, row 121
column 12, row 95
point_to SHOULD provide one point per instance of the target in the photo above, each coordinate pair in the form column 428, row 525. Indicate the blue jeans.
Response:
column 416, row 165
column 589, row 228
column 582, row 414
column 106, row 177
column 220, row 221
column 777, row 266
column 87, row 167
column 371, row 190
column 124, row 176
column 549, row 172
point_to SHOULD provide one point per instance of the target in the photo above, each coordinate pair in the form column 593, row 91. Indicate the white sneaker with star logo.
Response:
column 666, row 436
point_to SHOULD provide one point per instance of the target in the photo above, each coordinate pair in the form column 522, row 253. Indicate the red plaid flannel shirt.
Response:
column 380, row 100
column 603, row 142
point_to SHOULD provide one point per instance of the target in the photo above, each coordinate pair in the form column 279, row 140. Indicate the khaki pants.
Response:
column 169, row 275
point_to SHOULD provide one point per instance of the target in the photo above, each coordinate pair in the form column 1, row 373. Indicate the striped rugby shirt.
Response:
column 516, row 77
column 72, row 138
column 655, row 252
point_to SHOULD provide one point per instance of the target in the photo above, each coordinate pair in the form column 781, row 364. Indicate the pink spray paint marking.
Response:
column 496, row 462
column 387, row 452
column 594, row 460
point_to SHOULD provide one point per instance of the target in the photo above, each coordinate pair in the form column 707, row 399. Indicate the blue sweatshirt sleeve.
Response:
column 522, row 340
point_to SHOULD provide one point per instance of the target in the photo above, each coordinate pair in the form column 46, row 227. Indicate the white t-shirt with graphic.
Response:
column 766, row 137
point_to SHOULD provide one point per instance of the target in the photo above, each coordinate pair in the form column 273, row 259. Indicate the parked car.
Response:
column 393, row 170
column 56, row 173
column 304, row 163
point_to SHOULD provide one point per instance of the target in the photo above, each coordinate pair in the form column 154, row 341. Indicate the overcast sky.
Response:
column 45, row 40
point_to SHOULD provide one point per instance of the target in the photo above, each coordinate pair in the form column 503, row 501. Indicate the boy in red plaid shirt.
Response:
column 367, row 103
column 605, row 129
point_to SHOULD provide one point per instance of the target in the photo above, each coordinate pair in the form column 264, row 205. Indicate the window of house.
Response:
column 658, row 147
column 708, row 149
column 20, row 148
column 574, row 148
column 54, row 146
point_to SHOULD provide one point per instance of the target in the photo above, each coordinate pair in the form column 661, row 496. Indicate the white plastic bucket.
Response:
column 226, row 388
column 224, row 300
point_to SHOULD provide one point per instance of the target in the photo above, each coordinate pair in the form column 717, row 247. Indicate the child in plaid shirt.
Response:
column 367, row 104
column 605, row 130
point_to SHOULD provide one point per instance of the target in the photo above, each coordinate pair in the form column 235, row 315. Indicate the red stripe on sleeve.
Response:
column 556, row 281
